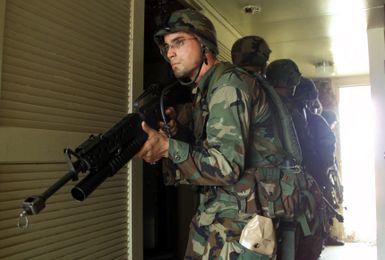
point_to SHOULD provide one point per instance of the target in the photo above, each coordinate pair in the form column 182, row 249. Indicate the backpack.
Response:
column 281, row 188
column 274, row 183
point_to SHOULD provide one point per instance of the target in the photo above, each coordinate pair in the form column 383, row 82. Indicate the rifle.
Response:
column 335, row 181
column 337, row 215
column 103, row 155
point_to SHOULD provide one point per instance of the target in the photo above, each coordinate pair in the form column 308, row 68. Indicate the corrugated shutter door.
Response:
column 65, row 64
column 93, row 229
column 65, row 70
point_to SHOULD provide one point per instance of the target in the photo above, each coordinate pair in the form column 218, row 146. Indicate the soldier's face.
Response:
column 184, row 53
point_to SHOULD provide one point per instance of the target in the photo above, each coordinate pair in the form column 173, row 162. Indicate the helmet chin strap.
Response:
column 203, row 60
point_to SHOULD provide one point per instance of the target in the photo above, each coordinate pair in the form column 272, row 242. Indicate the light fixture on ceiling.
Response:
column 252, row 9
column 251, row 6
column 324, row 68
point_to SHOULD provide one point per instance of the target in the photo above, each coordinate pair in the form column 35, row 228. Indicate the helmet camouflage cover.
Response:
column 250, row 51
column 190, row 21
column 283, row 72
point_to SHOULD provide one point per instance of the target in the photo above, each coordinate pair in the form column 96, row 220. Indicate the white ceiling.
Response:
column 309, row 31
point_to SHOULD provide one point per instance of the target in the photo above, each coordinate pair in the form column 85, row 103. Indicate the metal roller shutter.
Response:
column 65, row 75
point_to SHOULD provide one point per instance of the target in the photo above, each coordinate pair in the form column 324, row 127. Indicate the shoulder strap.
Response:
column 289, row 134
column 290, row 139
column 221, row 69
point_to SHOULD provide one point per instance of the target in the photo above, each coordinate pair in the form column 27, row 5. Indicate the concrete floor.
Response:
column 350, row 251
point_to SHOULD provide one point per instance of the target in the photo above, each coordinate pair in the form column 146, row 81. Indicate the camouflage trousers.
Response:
column 215, row 230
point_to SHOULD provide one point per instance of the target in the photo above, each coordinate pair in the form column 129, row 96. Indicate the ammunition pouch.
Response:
column 285, row 192
column 279, row 190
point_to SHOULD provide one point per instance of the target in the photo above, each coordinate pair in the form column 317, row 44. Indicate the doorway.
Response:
column 357, row 163
column 167, row 210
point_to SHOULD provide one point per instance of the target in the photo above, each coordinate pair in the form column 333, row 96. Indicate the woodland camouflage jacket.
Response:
column 220, row 117
column 223, row 147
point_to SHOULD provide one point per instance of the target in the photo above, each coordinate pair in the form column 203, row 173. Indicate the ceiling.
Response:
column 308, row 31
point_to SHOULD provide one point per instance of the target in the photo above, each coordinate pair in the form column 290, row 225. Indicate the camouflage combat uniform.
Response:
column 215, row 156
column 216, row 161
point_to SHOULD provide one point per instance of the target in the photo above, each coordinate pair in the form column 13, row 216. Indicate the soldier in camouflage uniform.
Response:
column 278, row 155
column 282, row 74
column 321, row 162
column 320, row 142
column 216, row 158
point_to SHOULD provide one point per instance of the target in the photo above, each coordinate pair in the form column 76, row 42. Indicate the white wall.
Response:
column 377, row 78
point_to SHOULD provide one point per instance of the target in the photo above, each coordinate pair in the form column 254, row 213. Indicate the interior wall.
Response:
column 377, row 82
column 227, row 34
column 135, row 188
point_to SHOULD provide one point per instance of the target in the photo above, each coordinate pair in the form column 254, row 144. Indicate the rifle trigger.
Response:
column 166, row 129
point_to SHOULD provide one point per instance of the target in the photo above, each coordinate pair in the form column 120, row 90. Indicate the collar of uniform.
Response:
column 205, row 80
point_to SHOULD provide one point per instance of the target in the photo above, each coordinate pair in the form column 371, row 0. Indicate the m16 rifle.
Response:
column 103, row 155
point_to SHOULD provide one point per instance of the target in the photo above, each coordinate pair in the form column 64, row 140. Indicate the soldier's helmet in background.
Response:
column 306, row 90
column 306, row 94
column 316, row 107
column 283, row 73
column 331, row 117
column 190, row 21
column 250, row 51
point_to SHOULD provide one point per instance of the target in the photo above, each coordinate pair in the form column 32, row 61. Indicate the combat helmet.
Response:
column 306, row 90
column 283, row 73
column 190, row 21
column 306, row 95
column 315, row 106
column 331, row 117
column 250, row 51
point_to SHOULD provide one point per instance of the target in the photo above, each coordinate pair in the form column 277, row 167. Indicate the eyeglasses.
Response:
column 175, row 44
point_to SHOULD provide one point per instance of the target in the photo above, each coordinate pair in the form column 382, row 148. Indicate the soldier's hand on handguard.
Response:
column 171, row 124
column 155, row 147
